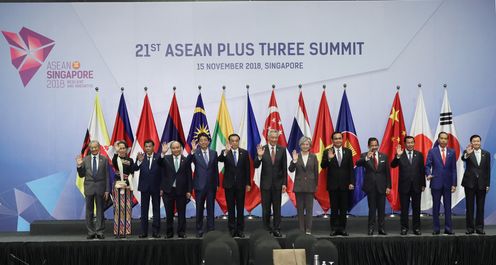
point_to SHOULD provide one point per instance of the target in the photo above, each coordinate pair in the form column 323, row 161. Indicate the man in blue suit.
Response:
column 440, row 169
column 149, row 186
column 205, row 181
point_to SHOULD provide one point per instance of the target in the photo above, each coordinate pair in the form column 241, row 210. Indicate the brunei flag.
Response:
column 223, row 128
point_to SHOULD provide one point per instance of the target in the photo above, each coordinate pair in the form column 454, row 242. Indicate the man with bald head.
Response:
column 175, row 187
column 94, row 169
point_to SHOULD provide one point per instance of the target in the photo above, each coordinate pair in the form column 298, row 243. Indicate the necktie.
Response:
column 205, row 156
column 150, row 162
column 443, row 156
column 339, row 156
column 273, row 155
column 375, row 161
column 410, row 157
column 176, row 163
column 94, row 166
column 235, row 158
column 478, row 157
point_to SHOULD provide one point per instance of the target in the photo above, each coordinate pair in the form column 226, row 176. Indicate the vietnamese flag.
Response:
column 394, row 135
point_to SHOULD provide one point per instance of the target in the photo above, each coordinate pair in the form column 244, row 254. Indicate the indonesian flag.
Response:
column 447, row 125
column 321, row 140
column 423, row 143
column 223, row 128
column 97, row 130
column 146, row 130
column 273, row 122
column 249, row 139
column 394, row 135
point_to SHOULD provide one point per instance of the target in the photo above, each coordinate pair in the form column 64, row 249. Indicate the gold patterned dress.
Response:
column 122, row 196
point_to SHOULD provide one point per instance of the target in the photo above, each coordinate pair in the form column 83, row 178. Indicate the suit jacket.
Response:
column 306, row 177
column 99, row 183
column 149, row 178
column 474, row 172
column 339, row 177
column 235, row 175
column 378, row 179
column 273, row 175
column 206, row 175
column 444, row 176
column 410, row 174
column 182, row 177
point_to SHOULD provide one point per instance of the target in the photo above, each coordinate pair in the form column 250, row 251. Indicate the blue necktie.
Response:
column 94, row 166
column 235, row 158
column 205, row 156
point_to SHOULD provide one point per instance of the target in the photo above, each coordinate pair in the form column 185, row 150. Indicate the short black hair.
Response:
column 475, row 136
column 439, row 134
column 334, row 133
column 122, row 142
column 149, row 141
column 233, row 135
column 408, row 137
column 200, row 135
column 371, row 139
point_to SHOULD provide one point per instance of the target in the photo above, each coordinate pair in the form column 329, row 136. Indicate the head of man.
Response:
column 203, row 141
column 373, row 144
column 409, row 142
column 176, row 148
column 305, row 143
column 337, row 139
column 94, row 147
column 442, row 139
column 475, row 140
column 234, row 141
column 122, row 149
column 149, row 147
column 273, row 136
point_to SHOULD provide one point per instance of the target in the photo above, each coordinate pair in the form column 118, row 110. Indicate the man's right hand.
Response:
column 79, row 160
column 330, row 153
column 228, row 146
column 194, row 145
column 469, row 149
column 399, row 150
column 165, row 148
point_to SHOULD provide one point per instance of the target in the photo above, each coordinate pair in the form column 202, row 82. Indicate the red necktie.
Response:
column 443, row 156
column 273, row 155
column 375, row 161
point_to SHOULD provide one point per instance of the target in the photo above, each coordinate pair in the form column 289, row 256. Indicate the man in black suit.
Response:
column 175, row 187
column 236, row 182
column 340, row 180
column 273, row 179
column 377, row 184
column 476, row 183
column 411, row 183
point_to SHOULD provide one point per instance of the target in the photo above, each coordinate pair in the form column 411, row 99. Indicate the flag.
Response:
column 394, row 135
column 122, row 132
column 322, row 140
column 173, row 129
column 346, row 126
column 223, row 128
column 447, row 125
column 146, row 130
column 199, row 122
column 97, row 130
column 423, row 142
column 300, row 126
column 249, row 139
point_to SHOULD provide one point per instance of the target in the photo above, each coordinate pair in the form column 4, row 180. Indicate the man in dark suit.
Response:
column 440, row 169
column 205, row 181
column 149, row 186
column 175, row 187
column 411, row 183
column 273, row 179
column 94, row 169
column 377, row 184
column 338, row 161
column 476, row 183
column 236, row 182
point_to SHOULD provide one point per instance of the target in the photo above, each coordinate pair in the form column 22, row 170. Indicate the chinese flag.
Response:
column 393, row 136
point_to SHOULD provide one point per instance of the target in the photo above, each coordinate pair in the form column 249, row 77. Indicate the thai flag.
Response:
column 300, row 126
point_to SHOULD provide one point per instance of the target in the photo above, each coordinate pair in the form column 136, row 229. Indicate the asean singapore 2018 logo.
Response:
column 28, row 52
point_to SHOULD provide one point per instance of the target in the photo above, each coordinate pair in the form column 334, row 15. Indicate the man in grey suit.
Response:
column 94, row 169
column 273, row 179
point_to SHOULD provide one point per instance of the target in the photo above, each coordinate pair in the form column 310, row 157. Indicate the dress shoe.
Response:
column 449, row 232
column 371, row 232
column 100, row 236
column 90, row 236
column 382, row 232
column 333, row 233
column 241, row 234
column 403, row 232
column 277, row 233
column 344, row 233
column 435, row 233
column 199, row 235
column 480, row 232
column 143, row 236
column 155, row 235
column 417, row 232
column 169, row 235
column 469, row 232
column 182, row 235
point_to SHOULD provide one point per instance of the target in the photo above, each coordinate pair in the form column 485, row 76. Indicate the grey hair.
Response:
column 94, row 142
column 305, row 139
column 273, row 131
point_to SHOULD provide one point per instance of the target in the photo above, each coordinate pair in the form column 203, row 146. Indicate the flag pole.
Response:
column 393, row 213
column 249, row 216
column 224, row 215
column 325, row 214
column 122, row 90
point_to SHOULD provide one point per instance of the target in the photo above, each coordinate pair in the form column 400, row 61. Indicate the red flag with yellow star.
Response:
column 393, row 136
